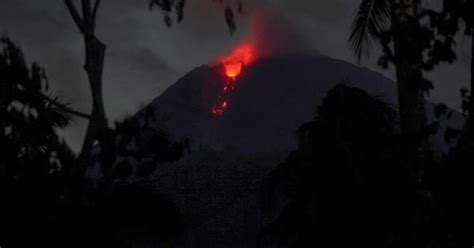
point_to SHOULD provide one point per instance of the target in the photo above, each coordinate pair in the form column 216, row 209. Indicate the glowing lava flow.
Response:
column 233, row 65
column 224, row 98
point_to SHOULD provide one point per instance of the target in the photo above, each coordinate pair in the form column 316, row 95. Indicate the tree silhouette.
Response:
column 169, row 7
column 94, row 64
column 455, row 16
column 448, row 22
column 414, row 41
column 98, row 129
column 143, row 146
column 394, row 24
column 453, row 13
column 33, row 157
column 453, row 181
column 345, row 185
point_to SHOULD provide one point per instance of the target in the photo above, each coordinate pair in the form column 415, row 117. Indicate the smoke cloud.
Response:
column 268, row 35
column 273, row 35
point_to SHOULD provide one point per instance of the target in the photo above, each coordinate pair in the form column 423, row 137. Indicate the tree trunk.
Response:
column 471, row 98
column 95, row 54
column 412, row 110
column 94, row 65
column 409, row 78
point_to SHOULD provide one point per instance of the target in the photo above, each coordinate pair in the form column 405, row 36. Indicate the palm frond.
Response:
column 373, row 16
column 56, row 111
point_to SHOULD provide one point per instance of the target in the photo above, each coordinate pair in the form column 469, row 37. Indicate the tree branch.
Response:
column 94, row 11
column 87, row 16
column 75, row 15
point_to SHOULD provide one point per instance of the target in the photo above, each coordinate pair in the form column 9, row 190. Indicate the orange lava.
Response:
column 234, row 64
column 233, row 70
column 240, row 57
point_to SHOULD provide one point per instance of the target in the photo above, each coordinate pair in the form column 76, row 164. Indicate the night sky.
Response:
column 144, row 57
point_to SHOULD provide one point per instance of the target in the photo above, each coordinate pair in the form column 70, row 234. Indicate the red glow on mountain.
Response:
column 240, row 57
column 233, row 64
column 224, row 98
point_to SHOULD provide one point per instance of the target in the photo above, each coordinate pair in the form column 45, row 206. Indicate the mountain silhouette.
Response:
column 273, row 97
column 217, row 186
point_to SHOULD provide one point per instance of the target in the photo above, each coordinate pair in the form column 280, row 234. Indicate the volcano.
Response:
column 272, row 98
column 217, row 185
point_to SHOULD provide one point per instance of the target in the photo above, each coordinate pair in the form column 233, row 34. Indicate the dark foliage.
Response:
column 434, row 34
column 147, row 145
column 455, row 17
column 435, row 47
column 372, row 19
column 454, row 189
column 33, row 157
column 344, row 184
column 35, row 172
column 170, row 7
column 453, row 179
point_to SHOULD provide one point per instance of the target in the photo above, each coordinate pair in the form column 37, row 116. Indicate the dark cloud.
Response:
column 144, row 57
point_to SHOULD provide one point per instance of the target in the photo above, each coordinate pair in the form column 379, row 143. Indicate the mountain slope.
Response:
column 217, row 187
column 273, row 98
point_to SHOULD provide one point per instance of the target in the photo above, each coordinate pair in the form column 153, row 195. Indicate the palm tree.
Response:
column 396, row 22
column 395, row 25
